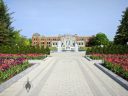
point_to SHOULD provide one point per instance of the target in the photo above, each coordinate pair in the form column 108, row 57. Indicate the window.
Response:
column 42, row 42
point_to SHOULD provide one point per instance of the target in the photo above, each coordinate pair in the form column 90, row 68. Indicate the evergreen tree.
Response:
column 6, row 31
column 122, row 31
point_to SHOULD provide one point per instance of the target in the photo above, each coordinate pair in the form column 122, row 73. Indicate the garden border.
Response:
column 11, row 81
column 88, row 58
column 115, row 77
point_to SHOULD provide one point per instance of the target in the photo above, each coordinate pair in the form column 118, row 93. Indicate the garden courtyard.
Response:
column 65, row 74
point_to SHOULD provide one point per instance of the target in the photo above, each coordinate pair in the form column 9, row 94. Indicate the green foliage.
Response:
column 95, row 57
column 53, row 48
column 20, row 49
column 6, row 31
column 30, row 41
column 9, row 36
column 47, row 50
column 122, row 31
column 108, row 49
column 4, row 75
column 82, row 48
column 116, row 69
column 125, row 74
column 99, row 39
column 108, row 65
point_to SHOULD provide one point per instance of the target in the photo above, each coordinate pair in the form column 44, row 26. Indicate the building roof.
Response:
column 36, row 34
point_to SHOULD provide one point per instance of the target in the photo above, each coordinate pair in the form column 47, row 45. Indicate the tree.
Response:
column 30, row 41
column 99, row 39
column 121, row 36
column 6, row 31
column 47, row 50
column 91, row 42
column 24, row 41
column 17, row 37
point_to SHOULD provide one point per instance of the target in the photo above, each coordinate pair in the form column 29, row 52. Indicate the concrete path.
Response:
column 66, row 74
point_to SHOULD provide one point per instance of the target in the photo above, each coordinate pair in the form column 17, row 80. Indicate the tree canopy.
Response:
column 6, row 30
column 121, row 36
column 8, row 35
column 99, row 39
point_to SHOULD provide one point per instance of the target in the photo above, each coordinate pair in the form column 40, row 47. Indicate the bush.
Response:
column 125, row 74
column 24, row 49
column 118, row 69
column 109, row 49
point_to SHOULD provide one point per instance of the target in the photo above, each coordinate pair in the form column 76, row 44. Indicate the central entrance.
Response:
column 67, row 43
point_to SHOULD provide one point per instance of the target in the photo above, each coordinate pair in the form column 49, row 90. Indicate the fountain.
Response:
column 59, row 46
column 76, row 47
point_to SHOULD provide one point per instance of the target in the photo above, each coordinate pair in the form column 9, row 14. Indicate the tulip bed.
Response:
column 12, row 64
column 27, row 56
column 118, row 63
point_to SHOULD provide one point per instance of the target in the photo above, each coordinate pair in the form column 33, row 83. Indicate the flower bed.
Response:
column 28, row 56
column 11, row 67
column 12, row 64
column 114, row 62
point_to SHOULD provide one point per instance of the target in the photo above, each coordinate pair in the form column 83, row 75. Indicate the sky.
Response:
column 53, row 17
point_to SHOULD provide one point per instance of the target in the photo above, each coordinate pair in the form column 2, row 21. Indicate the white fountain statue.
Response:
column 59, row 46
column 76, row 47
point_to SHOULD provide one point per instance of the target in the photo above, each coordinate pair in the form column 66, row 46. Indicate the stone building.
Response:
column 68, row 42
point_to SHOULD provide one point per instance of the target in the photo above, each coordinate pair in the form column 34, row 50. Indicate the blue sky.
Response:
column 53, row 17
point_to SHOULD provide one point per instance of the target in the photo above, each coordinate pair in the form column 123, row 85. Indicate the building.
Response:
column 66, row 42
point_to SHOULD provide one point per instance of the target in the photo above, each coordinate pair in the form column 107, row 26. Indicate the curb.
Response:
column 89, row 59
column 11, row 81
column 115, row 77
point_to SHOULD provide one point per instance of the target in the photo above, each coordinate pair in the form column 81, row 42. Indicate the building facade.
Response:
column 66, row 42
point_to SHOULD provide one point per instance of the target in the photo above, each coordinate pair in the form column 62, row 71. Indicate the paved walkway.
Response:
column 66, row 74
